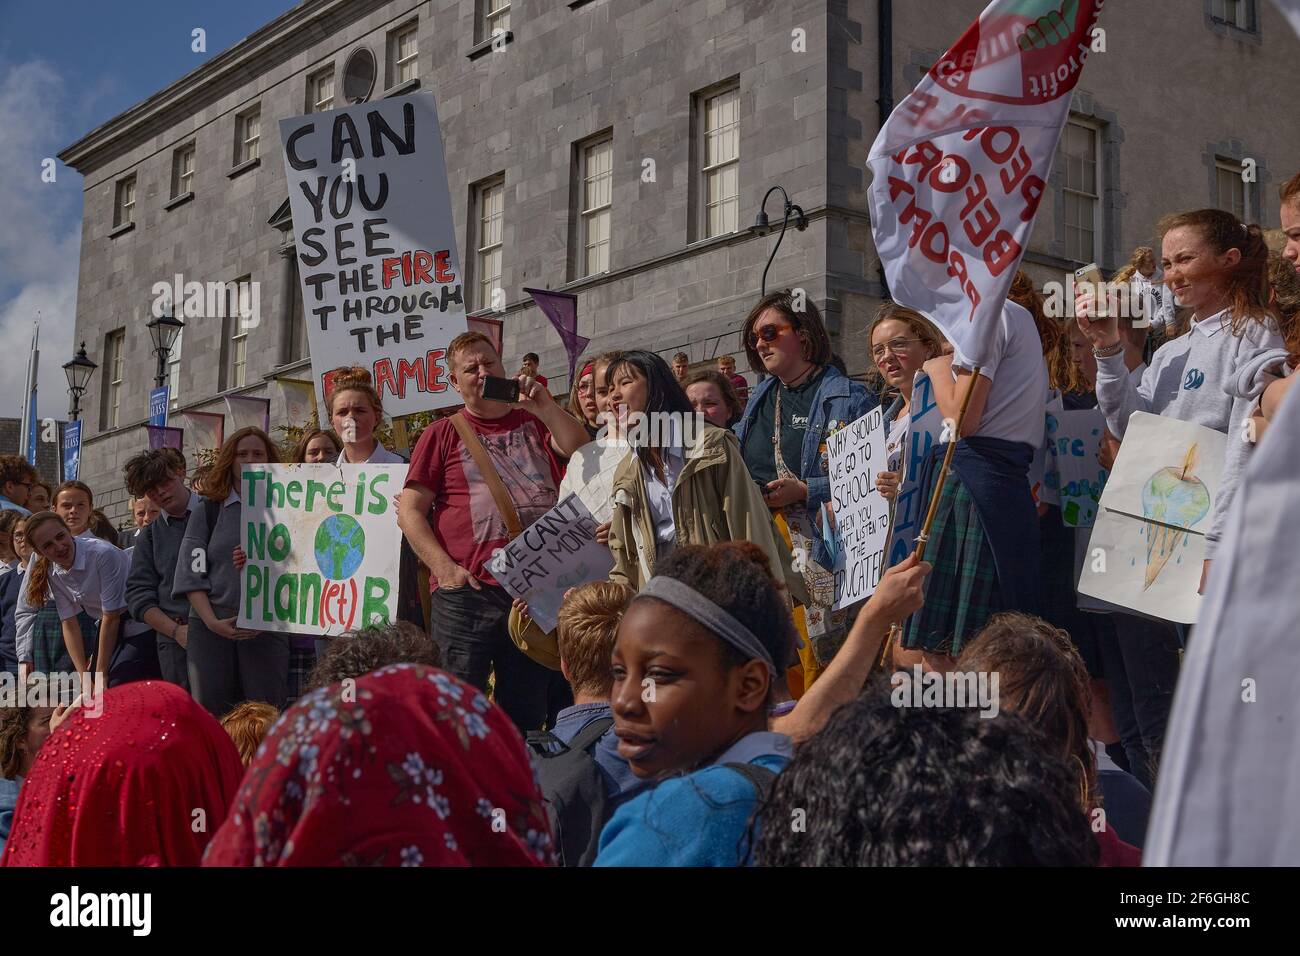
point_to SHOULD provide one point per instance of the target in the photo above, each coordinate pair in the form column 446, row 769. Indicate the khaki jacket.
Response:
column 714, row 500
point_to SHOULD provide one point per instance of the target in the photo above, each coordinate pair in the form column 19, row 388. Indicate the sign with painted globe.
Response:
column 323, row 547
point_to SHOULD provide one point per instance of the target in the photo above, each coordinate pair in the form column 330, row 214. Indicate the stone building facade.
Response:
column 620, row 150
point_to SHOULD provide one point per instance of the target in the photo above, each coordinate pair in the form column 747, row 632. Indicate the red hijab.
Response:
column 408, row 767
column 121, row 787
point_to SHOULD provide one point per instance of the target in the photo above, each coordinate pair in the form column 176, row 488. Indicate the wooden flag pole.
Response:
column 924, row 536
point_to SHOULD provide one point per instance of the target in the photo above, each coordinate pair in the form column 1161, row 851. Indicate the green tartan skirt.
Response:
column 961, row 593
column 49, row 652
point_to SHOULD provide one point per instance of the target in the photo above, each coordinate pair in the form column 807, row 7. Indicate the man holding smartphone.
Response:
column 523, row 441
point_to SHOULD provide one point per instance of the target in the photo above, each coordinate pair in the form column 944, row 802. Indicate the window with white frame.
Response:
column 490, row 218
column 115, row 370
column 721, row 169
column 183, row 170
column 496, row 17
column 597, row 200
column 124, row 202
column 1231, row 191
column 1081, row 213
column 1232, row 12
column 248, row 133
column 404, row 54
column 238, row 298
column 174, row 373
column 321, row 91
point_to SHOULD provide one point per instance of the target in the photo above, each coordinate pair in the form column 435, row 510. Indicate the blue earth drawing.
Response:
column 1177, row 500
column 340, row 547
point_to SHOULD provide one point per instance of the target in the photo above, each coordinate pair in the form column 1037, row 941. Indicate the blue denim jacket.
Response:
column 839, row 400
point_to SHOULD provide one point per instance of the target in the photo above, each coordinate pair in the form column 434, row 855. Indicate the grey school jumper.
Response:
column 221, row 580
column 1208, row 377
column 153, row 566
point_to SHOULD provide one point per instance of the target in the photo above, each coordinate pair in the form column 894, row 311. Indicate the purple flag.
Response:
column 562, row 309
column 162, row 437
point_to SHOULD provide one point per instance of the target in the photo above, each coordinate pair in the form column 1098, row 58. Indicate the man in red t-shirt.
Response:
column 529, row 368
column 727, row 366
column 470, row 611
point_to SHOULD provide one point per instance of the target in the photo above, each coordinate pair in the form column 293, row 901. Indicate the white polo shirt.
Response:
column 1019, row 382
column 96, row 582
column 380, row 456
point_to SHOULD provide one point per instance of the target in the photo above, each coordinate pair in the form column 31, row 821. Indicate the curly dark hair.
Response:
column 923, row 786
column 736, row 576
column 370, row 648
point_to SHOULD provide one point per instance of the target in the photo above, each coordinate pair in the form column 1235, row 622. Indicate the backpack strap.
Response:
column 546, row 744
column 489, row 472
column 759, row 777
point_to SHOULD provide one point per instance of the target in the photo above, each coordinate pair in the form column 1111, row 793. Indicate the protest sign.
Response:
column 556, row 552
column 962, row 162
column 856, row 454
column 1043, row 479
column 1073, row 441
column 376, row 247
column 323, row 547
column 924, row 430
column 1148, row 540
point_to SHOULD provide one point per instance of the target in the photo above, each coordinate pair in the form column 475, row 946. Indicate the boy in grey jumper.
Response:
column 159, row 475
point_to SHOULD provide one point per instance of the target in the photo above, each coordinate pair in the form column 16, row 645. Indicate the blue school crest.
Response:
column 1195, row 378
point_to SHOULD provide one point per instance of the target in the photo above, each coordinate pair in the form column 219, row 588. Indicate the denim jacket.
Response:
column 839, row 400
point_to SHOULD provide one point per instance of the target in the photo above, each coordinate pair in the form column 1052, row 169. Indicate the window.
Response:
column 114, row 369
column 1230, row 188
column 1082, row 194
column 124, row 202
column 491, row 212
column 1232, row 12
column 403, row 55
column 496, row 16
column 183, row 171
column 248, row 130
column 597, row 196
column 721, row 170
column 238, row 301
column 297, row 340
column 174, row 373
column 320, row 91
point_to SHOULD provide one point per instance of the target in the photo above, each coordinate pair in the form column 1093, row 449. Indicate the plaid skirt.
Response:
column 301, row 661
column 49, row 652
column 961, row 593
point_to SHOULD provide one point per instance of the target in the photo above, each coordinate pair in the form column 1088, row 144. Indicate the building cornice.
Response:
column 309, row 22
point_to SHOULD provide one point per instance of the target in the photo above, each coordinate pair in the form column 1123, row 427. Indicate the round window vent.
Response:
column 359, row 76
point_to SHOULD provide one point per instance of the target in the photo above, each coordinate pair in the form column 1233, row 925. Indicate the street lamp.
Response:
column 762, row 227
column 78, row 372
column 164, row 331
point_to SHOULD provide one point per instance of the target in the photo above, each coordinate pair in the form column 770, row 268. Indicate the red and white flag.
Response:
column 961, row 164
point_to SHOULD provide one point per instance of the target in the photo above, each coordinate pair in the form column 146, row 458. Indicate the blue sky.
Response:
column 67, row 66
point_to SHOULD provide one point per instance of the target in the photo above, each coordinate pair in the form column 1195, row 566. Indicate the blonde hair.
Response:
column 247, row 725
column 921, row 327
column 588, row 624
column 354, row 379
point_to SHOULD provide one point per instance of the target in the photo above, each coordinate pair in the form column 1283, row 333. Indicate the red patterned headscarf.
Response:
column 145, row 782
column 408, row 767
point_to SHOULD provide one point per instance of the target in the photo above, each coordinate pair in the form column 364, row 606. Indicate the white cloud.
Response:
column 40, row 237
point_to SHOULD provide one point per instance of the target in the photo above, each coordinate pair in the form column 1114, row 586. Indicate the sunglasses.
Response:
column 895, row 346
column 768, row 333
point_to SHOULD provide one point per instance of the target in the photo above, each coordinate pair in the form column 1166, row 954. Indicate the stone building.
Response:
column 620, row 150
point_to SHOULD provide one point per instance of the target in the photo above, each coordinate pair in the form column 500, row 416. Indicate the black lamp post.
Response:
column 763, row 227
column 164, row 330
column 78, row 372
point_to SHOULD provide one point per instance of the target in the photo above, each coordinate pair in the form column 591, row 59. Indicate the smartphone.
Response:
column 500, row 389
column 1089, row 279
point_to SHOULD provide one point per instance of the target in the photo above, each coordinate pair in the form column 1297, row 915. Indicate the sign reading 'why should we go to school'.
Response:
column 323, row 547
column 376, row 247
column 856, row 454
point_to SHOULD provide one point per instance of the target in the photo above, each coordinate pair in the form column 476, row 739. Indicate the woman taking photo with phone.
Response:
column 1216, row 266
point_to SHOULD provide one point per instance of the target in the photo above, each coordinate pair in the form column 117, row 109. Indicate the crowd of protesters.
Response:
column 705, row 705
